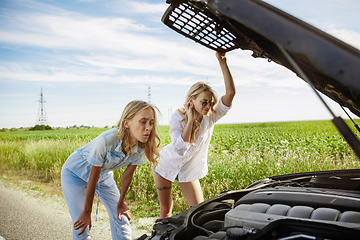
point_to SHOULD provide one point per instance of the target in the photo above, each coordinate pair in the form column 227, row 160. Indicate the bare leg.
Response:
column 192, row 192
column 163, row 187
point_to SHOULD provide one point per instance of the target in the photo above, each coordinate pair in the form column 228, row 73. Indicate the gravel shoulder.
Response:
column 27, row 211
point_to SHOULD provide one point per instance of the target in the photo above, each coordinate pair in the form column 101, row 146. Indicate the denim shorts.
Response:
column 177, row 177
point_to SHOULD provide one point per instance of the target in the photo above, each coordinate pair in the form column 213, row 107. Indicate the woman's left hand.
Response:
column 123, row 209
column 221, row 57
column 83, row 221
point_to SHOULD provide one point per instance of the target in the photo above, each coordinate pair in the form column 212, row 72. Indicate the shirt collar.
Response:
column 135, row 149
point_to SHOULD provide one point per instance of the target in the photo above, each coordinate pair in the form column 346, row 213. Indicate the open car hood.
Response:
column 332, row 66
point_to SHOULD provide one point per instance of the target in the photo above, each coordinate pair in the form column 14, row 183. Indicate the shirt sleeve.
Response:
column 97, row 153
column 221, row 110
column 176, row 129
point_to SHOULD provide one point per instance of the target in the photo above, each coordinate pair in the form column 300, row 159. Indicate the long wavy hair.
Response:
column 151, row 147
column 193, row 92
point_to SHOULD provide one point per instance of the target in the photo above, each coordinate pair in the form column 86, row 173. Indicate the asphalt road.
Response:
column 26, row 217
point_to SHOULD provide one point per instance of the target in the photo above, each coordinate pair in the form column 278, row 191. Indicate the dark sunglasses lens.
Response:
column 204, row 104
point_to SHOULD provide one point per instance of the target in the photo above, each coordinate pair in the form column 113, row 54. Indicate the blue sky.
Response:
column 92, row 57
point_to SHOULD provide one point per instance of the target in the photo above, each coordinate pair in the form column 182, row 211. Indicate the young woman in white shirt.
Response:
column 89, row 169
column 191, row 127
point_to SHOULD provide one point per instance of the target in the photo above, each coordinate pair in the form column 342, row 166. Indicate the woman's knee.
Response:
column 165, row 198
column 120, row 229
column 84, row 236
column 192, row 192
column 163, row 186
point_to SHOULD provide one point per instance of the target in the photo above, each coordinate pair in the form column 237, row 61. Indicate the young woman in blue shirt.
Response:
column 89, row 169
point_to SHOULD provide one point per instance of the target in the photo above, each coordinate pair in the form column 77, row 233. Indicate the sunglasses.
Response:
column 205, row 103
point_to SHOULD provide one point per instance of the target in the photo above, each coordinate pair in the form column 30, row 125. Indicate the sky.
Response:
column 91, row 57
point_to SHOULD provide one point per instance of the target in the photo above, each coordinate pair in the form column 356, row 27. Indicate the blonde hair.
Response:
column 151, row 147
column 193, row 92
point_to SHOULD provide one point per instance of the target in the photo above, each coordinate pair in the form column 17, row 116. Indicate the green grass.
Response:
column 239, row 155
column 85, row 134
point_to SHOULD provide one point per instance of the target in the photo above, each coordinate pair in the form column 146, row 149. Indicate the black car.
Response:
column 314, row 205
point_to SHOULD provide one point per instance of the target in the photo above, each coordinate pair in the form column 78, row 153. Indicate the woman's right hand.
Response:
column 82, row 222
column 189, row 110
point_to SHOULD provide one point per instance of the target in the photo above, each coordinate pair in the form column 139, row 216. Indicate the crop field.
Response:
column 239, row 155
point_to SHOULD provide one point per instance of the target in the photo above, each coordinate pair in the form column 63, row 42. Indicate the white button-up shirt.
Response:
column 188, row 162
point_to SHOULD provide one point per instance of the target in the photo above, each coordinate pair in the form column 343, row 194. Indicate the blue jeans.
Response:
column 74, row 189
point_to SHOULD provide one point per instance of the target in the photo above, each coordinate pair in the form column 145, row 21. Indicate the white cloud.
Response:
column 75, row 32
column 143, row 7
column 106, row 46
column 124, row 44
column 25, row 72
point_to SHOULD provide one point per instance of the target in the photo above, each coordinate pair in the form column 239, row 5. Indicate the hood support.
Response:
column 338, row 121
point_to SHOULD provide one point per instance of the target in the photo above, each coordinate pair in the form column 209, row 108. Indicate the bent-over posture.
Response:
column 89, row 169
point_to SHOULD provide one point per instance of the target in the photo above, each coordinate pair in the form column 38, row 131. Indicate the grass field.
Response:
column 239, row 155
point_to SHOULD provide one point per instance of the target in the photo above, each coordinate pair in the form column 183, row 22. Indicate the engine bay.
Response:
column 299, row 207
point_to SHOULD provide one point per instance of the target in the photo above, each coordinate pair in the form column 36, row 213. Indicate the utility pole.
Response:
column 41, row 119
column 149, row 95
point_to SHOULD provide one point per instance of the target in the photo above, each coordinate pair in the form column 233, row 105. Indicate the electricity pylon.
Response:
column 41, row 119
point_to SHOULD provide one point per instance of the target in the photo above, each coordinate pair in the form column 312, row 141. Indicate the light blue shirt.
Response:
column 103, row 151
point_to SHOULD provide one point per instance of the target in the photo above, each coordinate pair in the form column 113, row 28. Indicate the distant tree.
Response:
column 106, row 126
column 40, row 127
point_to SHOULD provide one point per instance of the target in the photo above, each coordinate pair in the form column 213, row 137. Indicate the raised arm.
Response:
column 228, row 80
column 126, row 179
column 85, row 217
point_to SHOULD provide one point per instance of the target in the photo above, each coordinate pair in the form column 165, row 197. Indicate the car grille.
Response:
column 200, row 25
